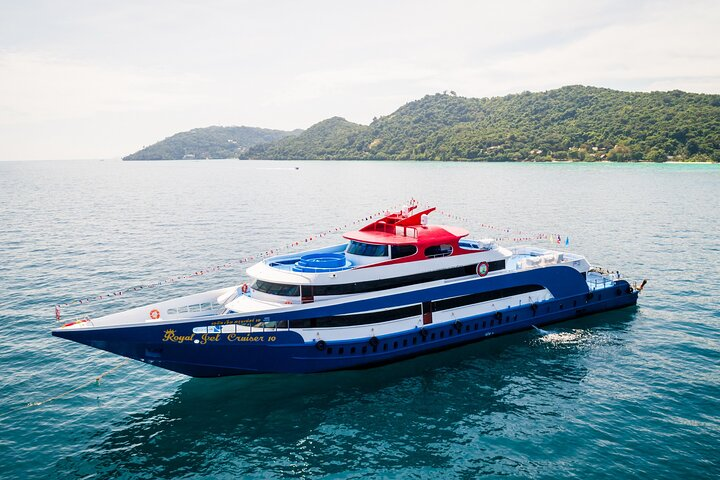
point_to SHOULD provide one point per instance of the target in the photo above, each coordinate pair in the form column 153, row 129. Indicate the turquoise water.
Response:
column 630, row 393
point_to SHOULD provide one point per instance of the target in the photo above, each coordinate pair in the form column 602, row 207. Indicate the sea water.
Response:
column 628, row 393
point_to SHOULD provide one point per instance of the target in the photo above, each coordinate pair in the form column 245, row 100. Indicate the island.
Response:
column 572, row 123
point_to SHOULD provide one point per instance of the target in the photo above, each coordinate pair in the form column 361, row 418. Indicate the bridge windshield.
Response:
column 367, row 249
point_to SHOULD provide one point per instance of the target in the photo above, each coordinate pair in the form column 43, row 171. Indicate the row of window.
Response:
column 396, row 251
column 356, row 319
column 471, row 299
column 369, row 318
column 370, row 286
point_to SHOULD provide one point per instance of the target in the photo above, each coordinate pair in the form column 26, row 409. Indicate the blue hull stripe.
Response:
column 209, row 355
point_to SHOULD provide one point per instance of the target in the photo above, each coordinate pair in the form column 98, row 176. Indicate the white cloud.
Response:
column 103, row 80
column 36, row 87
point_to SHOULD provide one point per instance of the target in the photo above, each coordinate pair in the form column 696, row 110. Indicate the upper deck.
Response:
column 404, row 228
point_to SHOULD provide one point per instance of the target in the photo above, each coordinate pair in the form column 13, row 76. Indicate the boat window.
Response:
column 372, row 285
column 276, row 288
column 438, row 251
column 358, row 318
column 367, row 249
column 496, row 265
column 474, row 298
column 399, row 251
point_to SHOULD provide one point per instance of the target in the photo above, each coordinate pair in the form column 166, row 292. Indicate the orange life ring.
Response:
column 155, row 314
column 483, row 268
column 244, row 288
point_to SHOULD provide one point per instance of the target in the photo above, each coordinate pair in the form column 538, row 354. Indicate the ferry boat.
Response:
column 396, row 288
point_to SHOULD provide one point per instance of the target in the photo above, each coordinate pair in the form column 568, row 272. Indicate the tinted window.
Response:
column 497, row 265
column 356, row 319
column 276, row 288
column 367, row 249
column 483, row 297
column 399, row 251
column 374, row 285
column 384, row 284
column 438, row 251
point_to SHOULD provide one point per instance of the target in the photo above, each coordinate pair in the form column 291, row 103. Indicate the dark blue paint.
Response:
column 289, row 353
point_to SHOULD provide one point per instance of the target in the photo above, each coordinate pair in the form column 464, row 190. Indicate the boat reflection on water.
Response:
column 308, row 425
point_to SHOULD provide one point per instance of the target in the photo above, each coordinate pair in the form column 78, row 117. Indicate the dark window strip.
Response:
column 473, row 298
column 354, row 320
column 397, row 282
column 369, row 318
column 374, row 285
column 496, row 265
column 281, row 289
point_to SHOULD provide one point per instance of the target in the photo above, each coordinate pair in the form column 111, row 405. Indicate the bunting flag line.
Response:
column 215, row 268
column 512, row 236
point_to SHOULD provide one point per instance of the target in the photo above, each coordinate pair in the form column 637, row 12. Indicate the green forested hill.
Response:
column 325, row 140
column 575, row 122
column 210, row 142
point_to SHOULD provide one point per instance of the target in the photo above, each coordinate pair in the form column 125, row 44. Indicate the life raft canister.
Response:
column 483, row 268
column 155, row 314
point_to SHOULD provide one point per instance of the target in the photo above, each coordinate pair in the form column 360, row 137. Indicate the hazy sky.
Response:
column 93, row 79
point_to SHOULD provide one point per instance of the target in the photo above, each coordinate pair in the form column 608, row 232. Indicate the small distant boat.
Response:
column 397, row 288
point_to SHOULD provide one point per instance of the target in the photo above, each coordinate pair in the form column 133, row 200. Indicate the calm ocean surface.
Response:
column 631, row 393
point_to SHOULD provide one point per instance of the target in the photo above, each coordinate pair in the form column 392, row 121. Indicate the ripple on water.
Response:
column 623, row 394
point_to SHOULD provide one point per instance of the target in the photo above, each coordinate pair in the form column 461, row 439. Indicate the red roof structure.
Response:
column 400, row 229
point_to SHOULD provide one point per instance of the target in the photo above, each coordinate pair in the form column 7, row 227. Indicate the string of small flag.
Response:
column 511, row 235
column 215, row 268
column 555, row 238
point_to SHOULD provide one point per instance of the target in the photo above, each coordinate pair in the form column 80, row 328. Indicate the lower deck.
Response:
column 218, row 352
